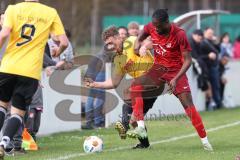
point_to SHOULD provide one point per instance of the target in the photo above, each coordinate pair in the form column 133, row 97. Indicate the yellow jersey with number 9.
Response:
column 30, row 24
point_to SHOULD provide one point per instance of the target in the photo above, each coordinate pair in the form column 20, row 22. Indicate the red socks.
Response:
column 196, row 119
column 137, row 102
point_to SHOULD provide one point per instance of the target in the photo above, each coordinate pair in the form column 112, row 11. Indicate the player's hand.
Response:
column 55, row 51
column 49, row 70
column 137, row 46
column 212, row 56
column 60, row 64
column 88, row 82
column 143, row 51
column 172, row 84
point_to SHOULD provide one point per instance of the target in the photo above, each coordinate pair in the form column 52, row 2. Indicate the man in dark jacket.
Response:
column 199, row 64
column 209, row 53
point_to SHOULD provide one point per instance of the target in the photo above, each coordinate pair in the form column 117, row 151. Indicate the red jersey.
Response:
column 168, row 50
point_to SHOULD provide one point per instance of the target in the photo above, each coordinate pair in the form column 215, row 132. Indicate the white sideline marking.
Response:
column 153, row 143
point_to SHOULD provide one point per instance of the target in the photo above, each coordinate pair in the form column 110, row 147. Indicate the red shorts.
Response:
column 159, row 74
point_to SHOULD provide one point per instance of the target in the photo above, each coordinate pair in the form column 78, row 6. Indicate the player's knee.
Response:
column 186, row 99
column 4, row 104
column 17, row 111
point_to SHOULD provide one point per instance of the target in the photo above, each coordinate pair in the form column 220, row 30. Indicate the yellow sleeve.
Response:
column 57, row 26
column 8, row 18
column 119, row 64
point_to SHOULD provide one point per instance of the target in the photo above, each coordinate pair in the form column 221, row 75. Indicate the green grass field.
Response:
column 225, row 140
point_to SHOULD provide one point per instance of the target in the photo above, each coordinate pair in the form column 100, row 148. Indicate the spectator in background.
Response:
column 210, row 53
column 224, row 59
column 65, row 60
column 236, row 48
column 95, row 117
column 199, row 64
column 225, row 45
column 133, row 29
column 195, row 40
column 226, row 52
column 123, row 32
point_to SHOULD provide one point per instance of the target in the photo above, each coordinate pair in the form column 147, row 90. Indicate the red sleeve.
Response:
column 146, row 28
column 183, row 42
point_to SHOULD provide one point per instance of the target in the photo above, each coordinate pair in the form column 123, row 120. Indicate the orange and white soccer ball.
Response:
column 93, row 144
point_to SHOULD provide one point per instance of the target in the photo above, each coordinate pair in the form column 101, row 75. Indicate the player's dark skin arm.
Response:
column 186, row 64
column 142, row 36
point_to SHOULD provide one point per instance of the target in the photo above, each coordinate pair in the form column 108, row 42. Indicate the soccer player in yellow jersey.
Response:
column 28, row 26
column 127, row 62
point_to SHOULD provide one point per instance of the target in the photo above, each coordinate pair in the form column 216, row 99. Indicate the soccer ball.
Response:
column 93, row 144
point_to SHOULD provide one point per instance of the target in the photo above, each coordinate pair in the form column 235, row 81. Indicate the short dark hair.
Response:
column 223, row 36
column 161, row 14
column 198, row 32
column 122, row 27
column 207, row 28
column 109, row 32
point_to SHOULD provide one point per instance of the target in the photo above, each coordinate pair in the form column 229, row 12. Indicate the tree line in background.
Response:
column 83, row 17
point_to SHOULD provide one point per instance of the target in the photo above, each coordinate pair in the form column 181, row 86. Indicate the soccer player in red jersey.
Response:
column 172, row 59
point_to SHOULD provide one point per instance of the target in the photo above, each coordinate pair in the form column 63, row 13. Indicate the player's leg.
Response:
column 7, row 83
column 183, row 93
column 192, row 113
column 126, row 115
column 136, row 91
column 148, row 104
column 17, row 142
column 142, row 84
column 137, row 115
column 22, row 96
column 137, row 104
column 3, row 112
column 12, row 125
column 123, row 127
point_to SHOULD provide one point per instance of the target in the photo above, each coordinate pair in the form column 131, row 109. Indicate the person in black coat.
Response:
column 199, row 65
column 209, row 54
